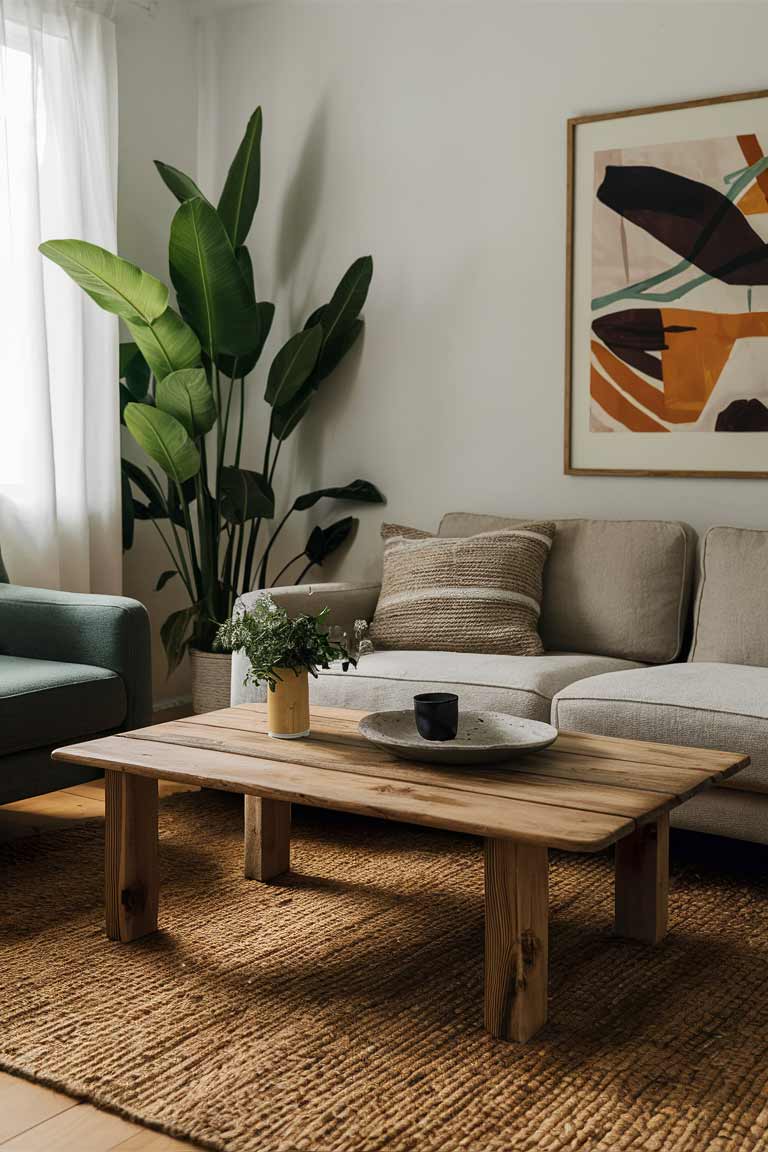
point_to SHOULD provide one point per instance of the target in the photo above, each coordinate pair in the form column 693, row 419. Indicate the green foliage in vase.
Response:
column 271, row 641
column 184, row 387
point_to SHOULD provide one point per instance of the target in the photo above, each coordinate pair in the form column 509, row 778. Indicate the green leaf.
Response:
column 361, row 491
column 187, row 395
column 182, row 186
column 155, row 507
column 237, row 366
column 332, row 354
column 345, row 304
column 134, row 370
column 188, row 494
column 128, row 516
column 125, row 398
column 115, row 284
column 174, row 634
column 164, row 439
column 245, row 495
column 292, row 366
column 245, row 264
column 315, row 317
column 168, row 344
column 212, row 291
column 323, row 541
column 241, row 188
column 164, row 577
column 285, row 419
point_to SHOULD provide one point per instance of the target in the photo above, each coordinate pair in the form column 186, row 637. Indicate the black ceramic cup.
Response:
column 437, row 715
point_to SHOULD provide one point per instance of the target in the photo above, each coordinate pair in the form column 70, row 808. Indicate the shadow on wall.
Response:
column 300, row 221
column 318, row 455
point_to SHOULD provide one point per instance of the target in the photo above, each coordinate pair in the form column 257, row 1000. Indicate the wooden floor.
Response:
column 33, row 1118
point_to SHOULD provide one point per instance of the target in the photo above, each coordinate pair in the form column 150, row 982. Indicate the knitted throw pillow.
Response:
column 474, row 594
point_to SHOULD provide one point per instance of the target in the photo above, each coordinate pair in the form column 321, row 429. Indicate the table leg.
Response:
column 516, row 938
column 131, row 859
column 267, row 838
column 642, row 882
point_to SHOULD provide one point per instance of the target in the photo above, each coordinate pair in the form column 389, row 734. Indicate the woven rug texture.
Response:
column 340, row 1010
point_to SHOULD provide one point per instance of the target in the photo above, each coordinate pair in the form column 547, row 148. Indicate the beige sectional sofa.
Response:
column 628, row 653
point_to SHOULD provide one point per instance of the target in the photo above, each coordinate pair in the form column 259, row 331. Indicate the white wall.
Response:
column 433, row 136
column 158, row 92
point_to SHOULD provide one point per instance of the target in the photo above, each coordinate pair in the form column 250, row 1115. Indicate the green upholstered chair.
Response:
column 72, row 667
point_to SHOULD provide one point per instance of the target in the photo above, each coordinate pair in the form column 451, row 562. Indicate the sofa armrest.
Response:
column 105, row 631
column 346, row 602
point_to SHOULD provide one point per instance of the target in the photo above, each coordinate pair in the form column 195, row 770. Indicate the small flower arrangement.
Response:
column 272, row 641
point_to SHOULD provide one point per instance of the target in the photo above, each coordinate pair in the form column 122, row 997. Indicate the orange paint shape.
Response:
column 693, row 360
column 621, row 409
column 755, row 199
column 753, row 202
column 640, row 390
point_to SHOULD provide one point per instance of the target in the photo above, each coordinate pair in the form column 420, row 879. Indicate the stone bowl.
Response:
column 482, row 737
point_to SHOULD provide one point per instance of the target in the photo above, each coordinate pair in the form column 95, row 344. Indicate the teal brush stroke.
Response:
column 639, row 291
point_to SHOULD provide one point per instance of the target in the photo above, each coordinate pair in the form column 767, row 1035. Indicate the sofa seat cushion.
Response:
column 45, row 702
column 720, row 706
column 519, row 685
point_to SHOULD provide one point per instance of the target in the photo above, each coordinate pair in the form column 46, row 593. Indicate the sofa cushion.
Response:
column 45, row 702
column 519, row 685
column 731, row 615
column 615, row 587
column 477, row 594
column 720, row 706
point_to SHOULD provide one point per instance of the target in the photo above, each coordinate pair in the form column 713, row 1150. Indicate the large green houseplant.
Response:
column 183, row 389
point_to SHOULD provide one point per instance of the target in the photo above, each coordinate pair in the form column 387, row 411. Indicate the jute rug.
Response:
column 342, row 1010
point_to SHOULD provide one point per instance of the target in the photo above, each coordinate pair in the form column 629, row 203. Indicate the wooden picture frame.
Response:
column 588, row 451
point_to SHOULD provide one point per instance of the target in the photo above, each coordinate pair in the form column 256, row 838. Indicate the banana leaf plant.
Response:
column 185, row 377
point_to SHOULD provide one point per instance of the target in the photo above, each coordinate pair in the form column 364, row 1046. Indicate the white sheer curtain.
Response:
column 59, row 435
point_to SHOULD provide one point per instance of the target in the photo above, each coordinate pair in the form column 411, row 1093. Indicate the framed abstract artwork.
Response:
column 667, row 305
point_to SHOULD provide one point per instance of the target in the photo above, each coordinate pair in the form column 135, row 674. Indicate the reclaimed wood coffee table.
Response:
column 581, row 794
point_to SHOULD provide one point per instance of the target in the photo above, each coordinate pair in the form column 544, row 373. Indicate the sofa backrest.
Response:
column 730, row 620
column 611, row 587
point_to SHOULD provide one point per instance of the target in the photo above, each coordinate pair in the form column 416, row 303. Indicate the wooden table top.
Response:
column 582, row 793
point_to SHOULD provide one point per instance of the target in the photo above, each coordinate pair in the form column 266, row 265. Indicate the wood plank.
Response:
column 79, row 1129
column 648, row 752
column 61, row 806
column 267, row 838
column 131, row 866
column 656, row 767
column 516, row 939
column 505, row 780
column 341, row 722
column 256, row 736
column 333, row 729
column 392, row 800
column 23, row 1105
column 605, row 773
column 94, row 790
column 618, row 773
column 642, row 883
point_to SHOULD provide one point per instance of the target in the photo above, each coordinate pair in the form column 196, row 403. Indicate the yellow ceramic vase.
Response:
column 288, row 705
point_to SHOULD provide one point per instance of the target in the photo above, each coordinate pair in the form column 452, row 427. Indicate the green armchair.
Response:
column 72, row 666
